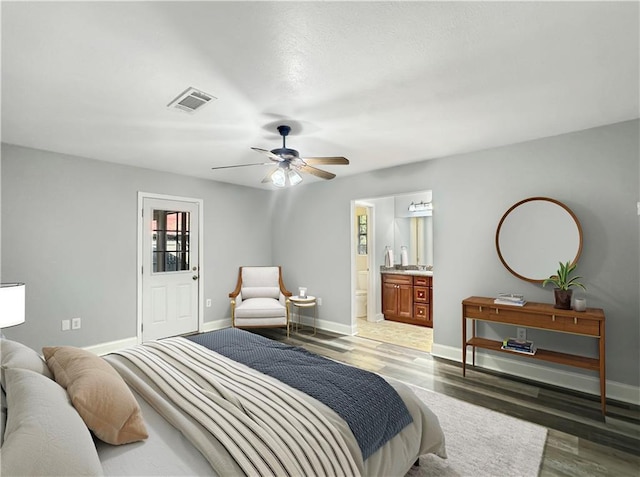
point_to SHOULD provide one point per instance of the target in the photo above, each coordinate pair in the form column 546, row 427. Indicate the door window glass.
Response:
column 170, row 241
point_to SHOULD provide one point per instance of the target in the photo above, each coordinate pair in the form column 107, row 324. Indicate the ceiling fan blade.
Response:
column 245, row 165
column 317, row 172
column 268, row 153
column 336, row 161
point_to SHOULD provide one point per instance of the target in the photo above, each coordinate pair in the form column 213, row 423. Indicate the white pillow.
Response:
column 260, row 292
column 45, row 435
column 17, row 355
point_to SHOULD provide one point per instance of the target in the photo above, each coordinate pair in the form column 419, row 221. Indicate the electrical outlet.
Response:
column 76, row 323
column 66, row 325
column 319, row 301
column 521, row 333
column 208, row 303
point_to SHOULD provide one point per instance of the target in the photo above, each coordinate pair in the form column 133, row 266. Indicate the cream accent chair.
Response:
column 260, row 299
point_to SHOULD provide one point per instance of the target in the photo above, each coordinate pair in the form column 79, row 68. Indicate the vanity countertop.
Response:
column 418, row 273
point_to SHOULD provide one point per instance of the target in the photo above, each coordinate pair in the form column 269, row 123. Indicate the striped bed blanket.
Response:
column 254, row 424
column 373, row 410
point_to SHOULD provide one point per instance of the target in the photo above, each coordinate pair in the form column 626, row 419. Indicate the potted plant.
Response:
column 563, row 285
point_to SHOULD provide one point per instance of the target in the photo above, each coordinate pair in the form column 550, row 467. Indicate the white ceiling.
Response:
column 381, row 83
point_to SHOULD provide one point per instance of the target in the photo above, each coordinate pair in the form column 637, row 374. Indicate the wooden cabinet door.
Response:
column 389, row 299
column 405, row 301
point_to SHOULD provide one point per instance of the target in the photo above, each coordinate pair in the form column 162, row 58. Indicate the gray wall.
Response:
column 69, row 230
column 595, row 172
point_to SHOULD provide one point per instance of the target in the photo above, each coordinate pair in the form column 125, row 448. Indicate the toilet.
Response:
column 361, row 294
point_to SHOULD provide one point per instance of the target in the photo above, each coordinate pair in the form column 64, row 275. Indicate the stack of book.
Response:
column 519, row 346
column 514, row 299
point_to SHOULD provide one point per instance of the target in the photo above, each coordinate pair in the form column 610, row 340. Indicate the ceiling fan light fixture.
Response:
column 279, row 178
column 294, row 177
column 284, row 176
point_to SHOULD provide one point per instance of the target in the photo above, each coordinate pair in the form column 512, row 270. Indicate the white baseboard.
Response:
column 535, row 372
column 111, row 346
column 216, row 325
column 334, row 327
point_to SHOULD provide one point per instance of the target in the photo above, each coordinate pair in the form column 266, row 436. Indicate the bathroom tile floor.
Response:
column 393, row 332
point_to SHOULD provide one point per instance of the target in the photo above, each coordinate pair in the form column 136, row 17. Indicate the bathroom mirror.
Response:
column 415, row 233
column 413, row 227
column 534, row 235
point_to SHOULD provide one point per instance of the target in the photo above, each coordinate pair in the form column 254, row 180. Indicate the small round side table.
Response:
column 300, row 303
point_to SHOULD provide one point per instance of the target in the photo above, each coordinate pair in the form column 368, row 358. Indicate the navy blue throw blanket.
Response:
column 372, row 408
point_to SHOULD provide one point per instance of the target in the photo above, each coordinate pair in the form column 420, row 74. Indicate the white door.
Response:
column 170, row 267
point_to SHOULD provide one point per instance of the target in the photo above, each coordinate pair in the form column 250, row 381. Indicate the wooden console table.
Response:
column 542, row 316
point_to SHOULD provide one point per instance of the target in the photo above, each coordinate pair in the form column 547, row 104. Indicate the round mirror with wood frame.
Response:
column 534, row 235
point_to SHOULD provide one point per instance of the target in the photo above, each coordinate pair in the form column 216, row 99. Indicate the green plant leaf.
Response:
column 561, row 279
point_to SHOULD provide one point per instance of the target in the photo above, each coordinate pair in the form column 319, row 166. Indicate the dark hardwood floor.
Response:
column 580, row 441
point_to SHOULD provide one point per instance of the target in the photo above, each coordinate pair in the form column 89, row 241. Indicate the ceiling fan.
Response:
column 290, row 164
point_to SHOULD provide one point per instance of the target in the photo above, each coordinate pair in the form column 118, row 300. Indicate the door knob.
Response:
column 195, row 277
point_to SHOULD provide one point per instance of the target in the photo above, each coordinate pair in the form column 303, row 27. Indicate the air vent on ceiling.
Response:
column 191, row 100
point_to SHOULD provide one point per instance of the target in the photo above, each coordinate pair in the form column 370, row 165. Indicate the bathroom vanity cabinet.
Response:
column 407, row 298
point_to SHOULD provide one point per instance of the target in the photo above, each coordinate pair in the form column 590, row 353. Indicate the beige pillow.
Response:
column 98, row 393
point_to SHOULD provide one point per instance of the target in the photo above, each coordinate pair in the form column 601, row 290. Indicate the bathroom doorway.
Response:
column 363, row 298
column 377, row 223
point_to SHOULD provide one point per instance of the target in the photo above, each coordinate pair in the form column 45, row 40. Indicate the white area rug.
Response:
column 480, row 442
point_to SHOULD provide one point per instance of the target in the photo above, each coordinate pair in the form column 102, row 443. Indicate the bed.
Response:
column 223, row 403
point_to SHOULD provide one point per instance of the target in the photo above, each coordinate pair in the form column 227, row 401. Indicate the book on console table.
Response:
column 510, row 296
column 530, row 352
column 514, row 299
column 497, row 301
column 516, row 343
column 519, row 346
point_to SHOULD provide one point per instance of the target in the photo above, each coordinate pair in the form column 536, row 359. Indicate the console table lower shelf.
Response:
column 541, row 316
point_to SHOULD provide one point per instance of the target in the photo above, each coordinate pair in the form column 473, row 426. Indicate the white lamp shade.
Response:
column 294, row 177
column 279, row 178
column 12, row 296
